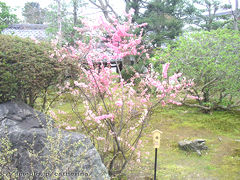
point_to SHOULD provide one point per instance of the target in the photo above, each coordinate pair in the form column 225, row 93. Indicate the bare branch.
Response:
column 197, row 105
column 106, row 9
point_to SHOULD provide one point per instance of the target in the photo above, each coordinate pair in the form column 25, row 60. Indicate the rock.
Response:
column 43, row 151
column 18, row 114
column 196, row 146
column 220, row 139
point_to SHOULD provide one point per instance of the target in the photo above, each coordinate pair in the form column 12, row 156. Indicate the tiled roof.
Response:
column 36, row 31
column 224, row 13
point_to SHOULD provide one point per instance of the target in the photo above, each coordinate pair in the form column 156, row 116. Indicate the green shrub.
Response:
column 26, row 69
column 212, row 60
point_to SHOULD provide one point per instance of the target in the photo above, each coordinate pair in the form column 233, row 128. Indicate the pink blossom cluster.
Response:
column 116, row 111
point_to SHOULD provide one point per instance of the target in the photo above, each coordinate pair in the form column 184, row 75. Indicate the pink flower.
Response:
column 143, row 100
column 100, row 138
column 147, row 55
column 70, row 128
column 67, row 85
column 163, row 103
column 80, row 84
column 132, row 128
column 165, row 69
column 130, row 104
column 119, row 103
column 174, row 102
column 192, row 97
column 53, row 115
column 105, row 116
column 140, row 142
column 119, row 138
column 137, row 75
column 61, row 112
column 143, row 24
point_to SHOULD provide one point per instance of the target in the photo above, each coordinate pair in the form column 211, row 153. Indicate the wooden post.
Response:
column 155, row 165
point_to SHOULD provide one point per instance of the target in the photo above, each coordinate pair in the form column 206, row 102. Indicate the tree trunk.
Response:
column 59, row 15
column 206, row 96
column 206, row 99
column 75, row 9
column 44, row 100
column 31, row 99
column 236, row 16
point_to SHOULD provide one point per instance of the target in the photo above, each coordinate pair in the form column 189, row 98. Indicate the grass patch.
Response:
column 220, row 129
column 221, row 122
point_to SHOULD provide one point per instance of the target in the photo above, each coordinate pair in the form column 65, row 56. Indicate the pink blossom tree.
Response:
column 116, row 111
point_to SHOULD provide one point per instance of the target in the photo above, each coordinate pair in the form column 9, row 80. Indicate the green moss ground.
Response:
column 221, row 129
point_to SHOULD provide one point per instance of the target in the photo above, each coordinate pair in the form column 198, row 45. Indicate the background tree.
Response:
column 212, row 59
column 76, row 4
column 6, row 17
column 33, row 13
column 137, row 5
column 235, row 14
column 206, row 16
column 62, row 21
column 165, row 19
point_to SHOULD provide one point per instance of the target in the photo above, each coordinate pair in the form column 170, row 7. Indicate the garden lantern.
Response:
column 156, row 144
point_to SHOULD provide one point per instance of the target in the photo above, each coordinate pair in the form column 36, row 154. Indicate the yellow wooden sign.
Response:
column 156, row 138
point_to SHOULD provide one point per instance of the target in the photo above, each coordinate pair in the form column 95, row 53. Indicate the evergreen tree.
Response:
column 165, row 19
column 207, row 16
column 33, row 13
column 63, row 21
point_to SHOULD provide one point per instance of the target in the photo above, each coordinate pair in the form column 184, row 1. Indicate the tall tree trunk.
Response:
column 236, row 16
column 59, row 15
column 75, row 9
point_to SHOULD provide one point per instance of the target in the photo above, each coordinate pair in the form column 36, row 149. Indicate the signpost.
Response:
column 156, row 145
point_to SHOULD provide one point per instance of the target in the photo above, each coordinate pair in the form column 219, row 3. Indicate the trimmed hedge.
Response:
column 26, row 69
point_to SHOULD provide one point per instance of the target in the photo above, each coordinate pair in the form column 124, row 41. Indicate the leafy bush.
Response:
column 212, row 59
column 26, row 69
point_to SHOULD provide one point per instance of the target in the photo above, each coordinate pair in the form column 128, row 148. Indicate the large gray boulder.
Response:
column 44, row 152
column 196, row 145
